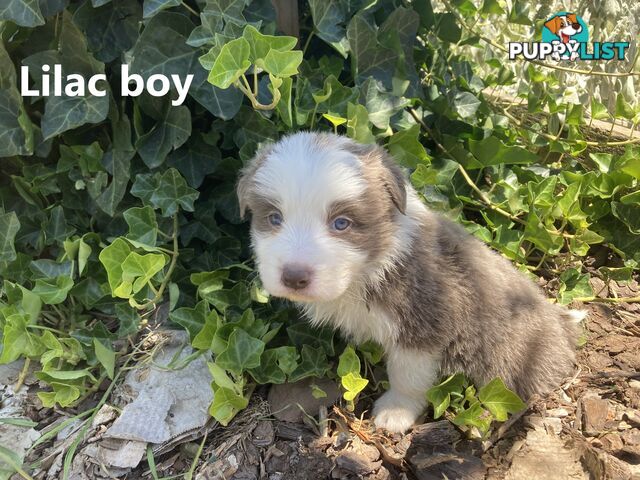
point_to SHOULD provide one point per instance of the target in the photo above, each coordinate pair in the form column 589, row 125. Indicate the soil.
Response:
column 589, row 428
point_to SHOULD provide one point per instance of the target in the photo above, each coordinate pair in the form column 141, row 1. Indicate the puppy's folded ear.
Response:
column 394, row 183
column 245, row 186
column 384, row 169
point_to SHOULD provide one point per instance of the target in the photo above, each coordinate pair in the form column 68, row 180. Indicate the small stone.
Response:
column 289, row 400
column 611, row 442
column 635, row 384
column 264, row 434
column 631, row 436
column 558, row 412
column 633, row 417
column 356, row 463
column 548, row 424
column 594, row 414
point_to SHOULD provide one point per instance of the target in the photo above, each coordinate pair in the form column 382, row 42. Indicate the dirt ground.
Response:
column 587, row 429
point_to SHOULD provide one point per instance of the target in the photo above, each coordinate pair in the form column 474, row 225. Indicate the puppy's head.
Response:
column 564, row 26
column 324, row 210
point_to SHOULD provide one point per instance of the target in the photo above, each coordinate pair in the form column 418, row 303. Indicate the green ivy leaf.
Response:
column 152, row 7
column 440, row 395
column 573, row 284
column 353, row 384
column 17, row 341
column 53, row 291
column 242, row 353
column 168, row 134
column 204, row 338
column 499, row 400
column 112, row 258
column 106, row 356
column 358, row 126
column 173, row 193
column 282, row 64
column 623, row 109
column 475, row 416
column 143, row 226
column 349, row 362
column 261, row 45
column 192, row 319
column 231, row 63
column 25, row 13
column 313, row 364
column 137, row 271
column 9, row 226
column 226, row 404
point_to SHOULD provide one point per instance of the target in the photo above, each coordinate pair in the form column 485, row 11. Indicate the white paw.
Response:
column 396, row 412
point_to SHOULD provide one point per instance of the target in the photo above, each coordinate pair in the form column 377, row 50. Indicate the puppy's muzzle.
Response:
column 296, row 277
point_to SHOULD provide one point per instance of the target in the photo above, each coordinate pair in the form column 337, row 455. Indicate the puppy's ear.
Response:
column 554, row 25
column 383, row 168
column 394, row 183
column 244, row 188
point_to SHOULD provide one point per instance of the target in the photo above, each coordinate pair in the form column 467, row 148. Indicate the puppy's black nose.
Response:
column 576, row 26
column 296, row 276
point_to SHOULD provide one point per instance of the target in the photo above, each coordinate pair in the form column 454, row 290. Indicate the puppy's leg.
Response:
column 411, row 373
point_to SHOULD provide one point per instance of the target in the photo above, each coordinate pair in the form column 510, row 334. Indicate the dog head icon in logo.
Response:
column 565, row 27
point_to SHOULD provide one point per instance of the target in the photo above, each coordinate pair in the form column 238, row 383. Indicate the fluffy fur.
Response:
column 438, row 300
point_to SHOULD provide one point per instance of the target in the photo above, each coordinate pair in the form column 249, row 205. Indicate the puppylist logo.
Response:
column 565, row 36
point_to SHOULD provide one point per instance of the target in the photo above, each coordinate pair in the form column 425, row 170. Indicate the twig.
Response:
column 619, row 374
column 464, row 173
column 595, row 299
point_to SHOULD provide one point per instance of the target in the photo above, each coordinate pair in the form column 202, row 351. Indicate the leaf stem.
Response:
column 167, row 277
column 184, row 4
column 23, row 375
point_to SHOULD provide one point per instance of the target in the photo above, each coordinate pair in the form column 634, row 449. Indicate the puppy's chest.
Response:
column 358, row 322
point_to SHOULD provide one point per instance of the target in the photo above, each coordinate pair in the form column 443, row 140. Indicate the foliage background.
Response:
column 110, row 206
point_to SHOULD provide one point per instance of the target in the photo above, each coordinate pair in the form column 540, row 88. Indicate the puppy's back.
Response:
column 455, row 294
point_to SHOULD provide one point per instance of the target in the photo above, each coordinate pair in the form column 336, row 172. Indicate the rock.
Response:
column 633, row 417
column 545, row 457
column 446, row 463
column 434, row 433
column 549, row 424
column 631, row 437
column 635, row 384
column 264, row 434
column 599, row 361
column 289, row 400
column 611, row 442
column 593, row 414
column 356, row 463
column 605, row 466
column 559, row 412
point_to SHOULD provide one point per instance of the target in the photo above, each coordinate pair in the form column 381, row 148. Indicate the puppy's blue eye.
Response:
column 341, row 223
column 275, row 219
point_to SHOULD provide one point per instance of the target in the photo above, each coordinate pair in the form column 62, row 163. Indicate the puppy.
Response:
column 337, row 229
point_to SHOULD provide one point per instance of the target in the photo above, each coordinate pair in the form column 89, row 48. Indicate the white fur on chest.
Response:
column 355, row 320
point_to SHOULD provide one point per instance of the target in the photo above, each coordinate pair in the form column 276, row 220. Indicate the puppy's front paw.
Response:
column 396, row 412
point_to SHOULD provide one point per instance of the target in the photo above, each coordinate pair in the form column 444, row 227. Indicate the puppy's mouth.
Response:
column 306, row 295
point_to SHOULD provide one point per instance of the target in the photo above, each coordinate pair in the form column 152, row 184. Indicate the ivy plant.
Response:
column 113, row 206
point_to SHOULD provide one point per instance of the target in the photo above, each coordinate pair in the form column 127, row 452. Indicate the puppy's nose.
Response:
column 296, row 276
column 576, row 26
